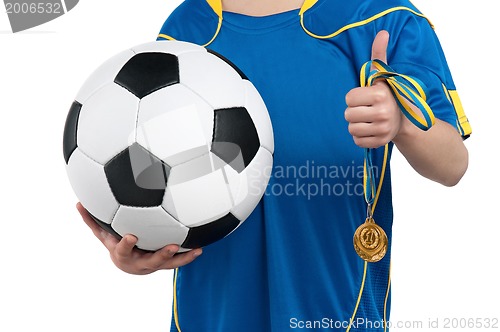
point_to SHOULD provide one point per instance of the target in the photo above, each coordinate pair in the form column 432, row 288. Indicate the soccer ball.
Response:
column 170, row 142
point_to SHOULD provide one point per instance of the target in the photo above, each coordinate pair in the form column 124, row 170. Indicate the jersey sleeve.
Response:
column 415, row 50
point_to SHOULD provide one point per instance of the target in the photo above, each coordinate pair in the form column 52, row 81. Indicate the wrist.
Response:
column 407, row 131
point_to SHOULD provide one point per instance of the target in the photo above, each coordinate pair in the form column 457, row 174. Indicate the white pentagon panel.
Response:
column 103, row 75
column 213, row 79
column 175, row 124
column 256, row 175
column 153, row 227
column 91, row 186
column 168, row 46
column 198, row 201
column 190, row 170
column 196, row 168
column 260, row 116
column 238, row 184
column 106, row 121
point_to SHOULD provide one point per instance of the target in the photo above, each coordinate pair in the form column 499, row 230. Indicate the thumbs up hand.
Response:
column 372, row 112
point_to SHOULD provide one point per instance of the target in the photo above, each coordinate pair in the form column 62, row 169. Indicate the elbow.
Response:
column 457, row 171
column 452, row 181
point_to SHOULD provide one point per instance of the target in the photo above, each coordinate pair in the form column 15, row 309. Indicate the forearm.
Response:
column 438, row 154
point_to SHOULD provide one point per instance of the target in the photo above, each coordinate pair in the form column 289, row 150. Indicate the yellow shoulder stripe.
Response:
column 355, row 24
column 462, row 122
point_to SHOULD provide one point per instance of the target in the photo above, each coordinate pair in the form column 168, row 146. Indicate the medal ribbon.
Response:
column 407, row 91
column 410, row 96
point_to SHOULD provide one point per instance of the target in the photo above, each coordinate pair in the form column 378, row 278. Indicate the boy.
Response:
column 292, row 263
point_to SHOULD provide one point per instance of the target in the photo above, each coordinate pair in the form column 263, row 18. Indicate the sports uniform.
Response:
column 292, row 263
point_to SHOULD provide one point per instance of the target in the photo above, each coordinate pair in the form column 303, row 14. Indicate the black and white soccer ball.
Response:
column 170, row 142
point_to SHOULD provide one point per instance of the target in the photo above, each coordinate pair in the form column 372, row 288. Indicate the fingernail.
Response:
column 197, row 253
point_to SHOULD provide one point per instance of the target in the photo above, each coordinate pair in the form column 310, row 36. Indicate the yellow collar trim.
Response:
column 360, row 23
column 306, row 6
column 216, row 6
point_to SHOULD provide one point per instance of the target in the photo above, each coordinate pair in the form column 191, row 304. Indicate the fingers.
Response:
column 373, row 115
column 124, row 249
column 370, row 104
column 185, row 258
column 362, row 129
column 162, row 256
column 167, row 258
column 140, row 262
column 373, row 142
column 370, row 135
column 128, row 258
column 368, row 96
column 87, row 218
column 359, row 114
column 85, row 215
column 132, row 260
column 369, row 128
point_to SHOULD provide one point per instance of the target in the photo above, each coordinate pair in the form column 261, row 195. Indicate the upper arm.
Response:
column 415, row 50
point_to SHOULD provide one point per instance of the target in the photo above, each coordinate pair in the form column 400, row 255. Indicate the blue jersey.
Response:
column 292, row 263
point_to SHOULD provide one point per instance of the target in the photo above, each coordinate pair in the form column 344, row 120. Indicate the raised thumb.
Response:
column 379, row 46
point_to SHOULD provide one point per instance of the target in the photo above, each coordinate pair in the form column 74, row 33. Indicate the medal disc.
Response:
column 370, row 241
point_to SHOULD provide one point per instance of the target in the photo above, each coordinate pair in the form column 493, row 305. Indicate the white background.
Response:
column 55, row 276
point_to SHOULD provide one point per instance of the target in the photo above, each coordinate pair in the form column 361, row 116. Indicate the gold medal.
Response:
column 370, row 241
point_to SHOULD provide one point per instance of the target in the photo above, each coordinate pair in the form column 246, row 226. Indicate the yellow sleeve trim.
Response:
column 463, row 122
column 356, row 24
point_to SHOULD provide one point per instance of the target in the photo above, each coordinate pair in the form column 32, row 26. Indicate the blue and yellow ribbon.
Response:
column 408, row 92
column 410, row 96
